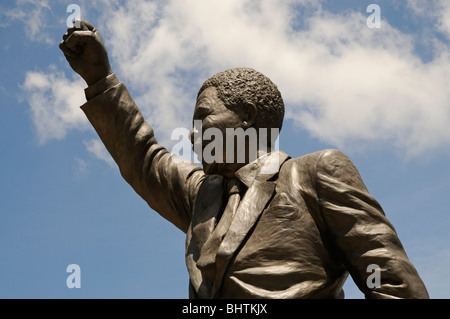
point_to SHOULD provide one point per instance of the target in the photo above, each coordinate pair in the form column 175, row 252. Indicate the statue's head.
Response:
column 239, row 99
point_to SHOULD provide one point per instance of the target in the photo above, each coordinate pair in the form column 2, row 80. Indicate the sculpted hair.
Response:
column 238, row 86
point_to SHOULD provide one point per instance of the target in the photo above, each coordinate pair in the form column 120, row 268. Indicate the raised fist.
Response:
column 84, row 50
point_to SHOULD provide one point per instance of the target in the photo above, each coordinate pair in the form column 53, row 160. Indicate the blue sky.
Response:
column 379, row 95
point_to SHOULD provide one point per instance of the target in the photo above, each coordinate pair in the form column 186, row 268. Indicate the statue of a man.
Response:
column 272, row 227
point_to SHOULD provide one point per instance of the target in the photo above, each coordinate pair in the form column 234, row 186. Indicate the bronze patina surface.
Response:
column 274, row 227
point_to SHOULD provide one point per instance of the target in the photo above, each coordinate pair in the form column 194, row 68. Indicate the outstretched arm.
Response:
column 168, row 184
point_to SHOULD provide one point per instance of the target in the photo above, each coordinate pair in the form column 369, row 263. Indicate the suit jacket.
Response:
column 303, row 224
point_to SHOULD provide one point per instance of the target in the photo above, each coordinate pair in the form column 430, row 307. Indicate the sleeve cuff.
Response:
column 101, row 86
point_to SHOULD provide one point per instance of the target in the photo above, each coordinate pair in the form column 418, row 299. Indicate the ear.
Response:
column 248, row 114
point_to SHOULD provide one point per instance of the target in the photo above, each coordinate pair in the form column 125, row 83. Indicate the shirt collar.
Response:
column 264, row 167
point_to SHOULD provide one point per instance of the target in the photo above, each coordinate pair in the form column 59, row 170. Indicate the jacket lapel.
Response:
column 208, row 206
column 259, row 193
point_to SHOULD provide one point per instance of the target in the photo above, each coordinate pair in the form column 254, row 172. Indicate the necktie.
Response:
column 208, row 253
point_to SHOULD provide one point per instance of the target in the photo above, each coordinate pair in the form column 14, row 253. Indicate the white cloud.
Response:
column 34, row 16
column 368, row 85
column 54, row 102
column 81, row 169
column 437, row 10
column 341, row 81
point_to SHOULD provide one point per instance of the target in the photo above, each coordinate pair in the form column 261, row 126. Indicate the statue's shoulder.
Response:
column 323, row 159
column 322, row 155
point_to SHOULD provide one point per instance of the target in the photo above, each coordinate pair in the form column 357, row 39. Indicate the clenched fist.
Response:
column 84, row 50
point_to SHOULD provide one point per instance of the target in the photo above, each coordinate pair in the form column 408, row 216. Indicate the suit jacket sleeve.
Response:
column 360, row 232
column 168, row 184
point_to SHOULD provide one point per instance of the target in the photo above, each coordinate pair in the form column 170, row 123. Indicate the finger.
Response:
column 87, row 26
column 66, row 35
column 84, row 25
column 77, row 38
column 69, row 32
column 71, row 29
column 67, row 52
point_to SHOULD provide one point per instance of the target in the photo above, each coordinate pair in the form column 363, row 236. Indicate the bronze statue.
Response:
column 274, row 227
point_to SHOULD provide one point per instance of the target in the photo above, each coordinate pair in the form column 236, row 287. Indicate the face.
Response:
column 213, row 113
